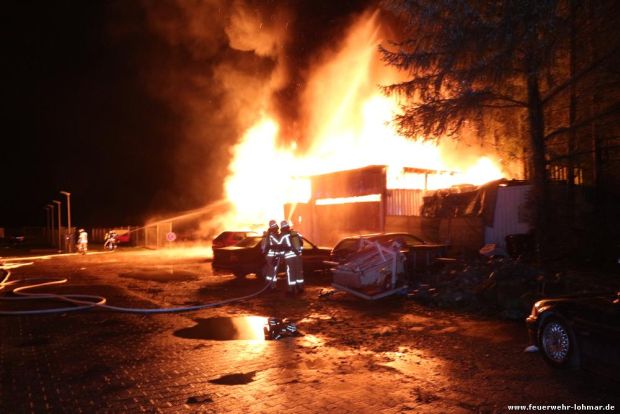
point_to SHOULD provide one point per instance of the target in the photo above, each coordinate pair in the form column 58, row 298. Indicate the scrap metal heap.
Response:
column 375, row 271
column 275, row 329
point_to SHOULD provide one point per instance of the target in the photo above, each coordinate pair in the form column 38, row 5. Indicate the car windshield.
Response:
column 347, row 245
column 249, row 242
column 307, row 245
column 222, row 236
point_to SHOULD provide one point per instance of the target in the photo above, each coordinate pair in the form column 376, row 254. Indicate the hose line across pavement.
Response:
column 84, row 302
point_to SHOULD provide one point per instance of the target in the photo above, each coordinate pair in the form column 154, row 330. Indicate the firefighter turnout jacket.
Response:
column 292, row 244
column 270, row 244
column 270, row 247
column 292, row 247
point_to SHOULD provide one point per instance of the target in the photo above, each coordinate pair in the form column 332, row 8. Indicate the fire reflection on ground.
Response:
column 409, row 361
column 355, row 356
column 226, row 329
column 184, row 251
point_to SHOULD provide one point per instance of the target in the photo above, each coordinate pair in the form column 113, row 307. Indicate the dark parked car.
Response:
column 420, row 253
column 578, row 332
column 12, row 240
column 245, row 257
column 229, row 238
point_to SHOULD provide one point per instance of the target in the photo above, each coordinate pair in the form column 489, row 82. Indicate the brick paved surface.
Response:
column 355, row 357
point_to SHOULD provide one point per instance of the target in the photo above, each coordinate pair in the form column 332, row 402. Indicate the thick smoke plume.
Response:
column 221, row 63
column 303, row 72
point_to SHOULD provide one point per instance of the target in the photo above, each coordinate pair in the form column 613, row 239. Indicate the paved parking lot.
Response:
column 354, row 356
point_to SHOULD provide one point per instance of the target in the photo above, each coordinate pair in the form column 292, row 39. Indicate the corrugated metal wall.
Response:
column 362, row 181
column 404, row 202
column 511, row 215
column 334, row 221
column 424, row 227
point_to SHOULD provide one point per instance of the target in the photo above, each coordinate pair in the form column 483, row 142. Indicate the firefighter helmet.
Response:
column 284, row 224
column 273, row 224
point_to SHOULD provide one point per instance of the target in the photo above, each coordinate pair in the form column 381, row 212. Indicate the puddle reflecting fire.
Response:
column 226, row 329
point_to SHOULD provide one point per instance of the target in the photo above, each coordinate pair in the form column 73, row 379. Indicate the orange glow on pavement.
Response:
column 252, row 326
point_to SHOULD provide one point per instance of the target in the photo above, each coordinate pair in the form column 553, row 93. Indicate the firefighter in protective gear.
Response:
column 82, row 241
column 292, row 246
column 111, row 241
column 270, row 247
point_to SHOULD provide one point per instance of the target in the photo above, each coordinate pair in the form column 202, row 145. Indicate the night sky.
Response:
column 118, row 102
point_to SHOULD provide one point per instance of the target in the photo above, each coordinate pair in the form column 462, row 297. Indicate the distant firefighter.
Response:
column 111, row 241
column 82, row 243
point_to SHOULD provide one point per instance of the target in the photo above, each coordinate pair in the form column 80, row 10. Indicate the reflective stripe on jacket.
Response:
column 270, row 244
column 292, row 244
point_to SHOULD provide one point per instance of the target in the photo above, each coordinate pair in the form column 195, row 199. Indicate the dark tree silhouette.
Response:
column 465, row 58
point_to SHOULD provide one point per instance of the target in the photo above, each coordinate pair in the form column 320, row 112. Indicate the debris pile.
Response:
column 502, row 284
column 276, row 329
column 373, row 265
column 373, row 272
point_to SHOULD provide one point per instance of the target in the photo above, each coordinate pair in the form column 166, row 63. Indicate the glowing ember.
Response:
column 348, row 123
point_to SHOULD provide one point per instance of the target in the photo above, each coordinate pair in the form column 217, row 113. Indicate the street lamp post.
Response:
column 58, row 203
column 47, row 222
column 51, row 207
column 70, row 242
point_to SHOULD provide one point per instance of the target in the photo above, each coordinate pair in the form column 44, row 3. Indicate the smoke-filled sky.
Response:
column 133, row 106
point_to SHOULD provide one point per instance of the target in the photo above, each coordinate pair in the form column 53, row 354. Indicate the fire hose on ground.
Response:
column 85, row 302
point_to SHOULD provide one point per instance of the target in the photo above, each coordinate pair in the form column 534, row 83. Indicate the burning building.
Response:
column 365, row 200
column 346, row 157
column 305, row 123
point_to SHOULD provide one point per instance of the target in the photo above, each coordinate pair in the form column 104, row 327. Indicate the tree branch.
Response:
column 559, row 88
column 584, row 152
column 610, row 110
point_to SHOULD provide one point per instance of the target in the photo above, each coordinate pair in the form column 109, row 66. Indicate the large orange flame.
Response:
column 349, row 126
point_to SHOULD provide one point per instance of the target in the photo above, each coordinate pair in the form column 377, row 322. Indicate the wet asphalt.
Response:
column 352, row 356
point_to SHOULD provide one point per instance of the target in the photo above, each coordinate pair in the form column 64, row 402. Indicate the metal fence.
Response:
column 404, row 202
column 157, row 235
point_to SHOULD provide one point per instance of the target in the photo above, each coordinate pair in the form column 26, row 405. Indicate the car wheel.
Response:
column 558, row 344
